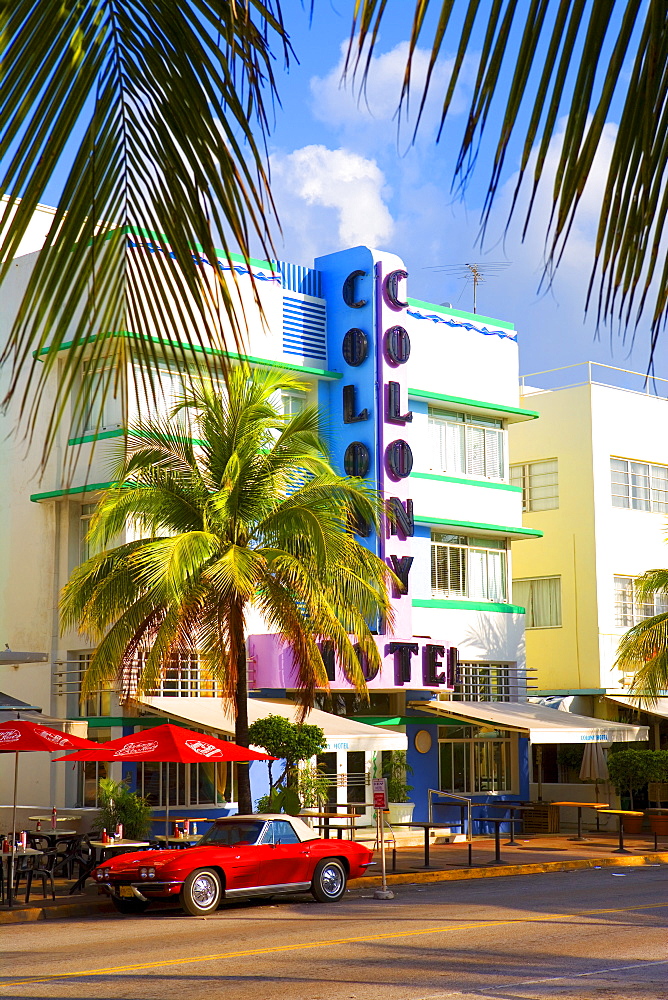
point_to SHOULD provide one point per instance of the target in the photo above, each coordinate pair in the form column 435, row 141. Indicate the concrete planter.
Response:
column 659, row 824
column 401, row 812
column 633, row 824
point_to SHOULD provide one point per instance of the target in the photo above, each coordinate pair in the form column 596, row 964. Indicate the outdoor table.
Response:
column 621, row 813
column 497, row 821
column 580, row 806
column 186, row 841
column 512, row 808
column 330, row 815
column 53, row 835
column 656, row 811
column 427, row 826
column 48, row 819
column 104, row 849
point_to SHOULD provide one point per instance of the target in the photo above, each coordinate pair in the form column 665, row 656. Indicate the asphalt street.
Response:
column 569, row 935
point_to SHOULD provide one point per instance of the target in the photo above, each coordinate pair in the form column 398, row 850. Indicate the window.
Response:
column 462, row 444
column 639, row 485
column 92, row 771
column 541, row 599
column 101, row 408
column 472, row 762
column 463, row 566
column 629, row 610
column 208, row 783
column 293, row 403
column 539, row 483
column 183, row 678
column 483, row 682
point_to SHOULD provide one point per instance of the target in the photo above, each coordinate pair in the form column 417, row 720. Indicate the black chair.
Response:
column 71, row 852
column 31, row 867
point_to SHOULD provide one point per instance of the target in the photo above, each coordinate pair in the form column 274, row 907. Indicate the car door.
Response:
column 287, row 861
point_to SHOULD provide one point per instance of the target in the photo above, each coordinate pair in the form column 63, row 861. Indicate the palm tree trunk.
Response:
column 241, row 725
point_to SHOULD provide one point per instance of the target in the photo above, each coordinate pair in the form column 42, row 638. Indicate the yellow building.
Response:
column 594, row 475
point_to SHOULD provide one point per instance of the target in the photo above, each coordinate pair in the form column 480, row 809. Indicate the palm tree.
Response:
column 237, row 507
column 160, row 111
column 536, row 63
column 644, row 648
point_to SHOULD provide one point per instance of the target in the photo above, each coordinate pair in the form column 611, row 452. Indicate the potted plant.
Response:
column 395, row 768
column 120, row 805
column 630, row 770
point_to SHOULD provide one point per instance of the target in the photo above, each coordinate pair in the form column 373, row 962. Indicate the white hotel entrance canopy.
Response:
column 540, row 724
column 212, row 714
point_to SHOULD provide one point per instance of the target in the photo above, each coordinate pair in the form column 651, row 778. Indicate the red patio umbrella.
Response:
column 18, row 736
column 168, row 743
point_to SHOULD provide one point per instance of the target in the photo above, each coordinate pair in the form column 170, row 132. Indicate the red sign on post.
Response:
column 379, row 786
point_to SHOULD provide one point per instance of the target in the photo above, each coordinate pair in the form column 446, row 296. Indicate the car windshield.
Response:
column 232, row 832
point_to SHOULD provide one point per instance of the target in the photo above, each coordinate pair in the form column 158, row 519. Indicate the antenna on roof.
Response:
column 475, row 273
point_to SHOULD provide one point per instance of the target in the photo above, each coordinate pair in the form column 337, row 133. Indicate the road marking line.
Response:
column 537, row 982
column 278, row 949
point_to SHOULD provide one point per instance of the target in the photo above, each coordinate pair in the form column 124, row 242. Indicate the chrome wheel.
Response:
column 205, row 890
column 201, row 892
column 329, row 881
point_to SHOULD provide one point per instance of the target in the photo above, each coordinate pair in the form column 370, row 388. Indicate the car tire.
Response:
column 201, row 892
column 135, row 906
column 329, row 881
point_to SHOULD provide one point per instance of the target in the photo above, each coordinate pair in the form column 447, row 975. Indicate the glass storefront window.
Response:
column 473, row 763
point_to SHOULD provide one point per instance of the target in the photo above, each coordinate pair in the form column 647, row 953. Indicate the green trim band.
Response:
column 403, row 720
column 103, row 435
column 72, row 491
column 197, row 349
column 448, row 311
column 481, row 526
column 466, row 482
column 477, row 404
column 504, row 609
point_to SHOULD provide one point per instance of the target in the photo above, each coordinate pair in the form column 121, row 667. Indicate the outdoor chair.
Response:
column 30, row 867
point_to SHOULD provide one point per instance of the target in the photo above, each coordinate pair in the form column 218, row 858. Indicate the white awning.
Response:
column 660, row 708
column 540, row 724
column 213, row 715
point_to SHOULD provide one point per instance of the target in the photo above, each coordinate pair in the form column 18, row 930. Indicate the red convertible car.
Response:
column 239, row 856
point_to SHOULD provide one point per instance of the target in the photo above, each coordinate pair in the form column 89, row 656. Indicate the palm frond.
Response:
column 541, row 62
column 643, row 650
column 173, row 101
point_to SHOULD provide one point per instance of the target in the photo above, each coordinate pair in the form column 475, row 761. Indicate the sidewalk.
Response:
column 448, row 862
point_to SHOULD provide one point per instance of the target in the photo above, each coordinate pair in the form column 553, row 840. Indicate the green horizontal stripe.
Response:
column 477, row 404
column 480, row 526
column 98, row 437
column 504, row 609
column 487, row 484
column 197, row 349
column 72, row 491
column 448, row 311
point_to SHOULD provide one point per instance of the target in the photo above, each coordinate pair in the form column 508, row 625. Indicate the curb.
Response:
column 92, row 907
column 29, row 914
column 501, row 871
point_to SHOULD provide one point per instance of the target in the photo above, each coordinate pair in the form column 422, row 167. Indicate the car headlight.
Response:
column 151, row 873
column 143, row 872
column 102, row 873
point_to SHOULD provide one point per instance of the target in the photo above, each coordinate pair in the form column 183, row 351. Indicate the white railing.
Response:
column 647, row 385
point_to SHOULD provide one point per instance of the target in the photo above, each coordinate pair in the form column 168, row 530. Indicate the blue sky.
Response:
column 341, row 176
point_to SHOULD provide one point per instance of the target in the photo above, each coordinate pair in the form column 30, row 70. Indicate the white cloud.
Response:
column 329, row 199
column 371, row 112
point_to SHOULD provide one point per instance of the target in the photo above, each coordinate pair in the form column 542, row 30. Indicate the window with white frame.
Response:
column 187, row 784
column 464, row 566
column 639, row 485
column 102, row 406
column 629, row 609
column 472, row 761
column 293, row 403
column 539, row 484
column 464, row 444
column 541, row 599
column 184, row 677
